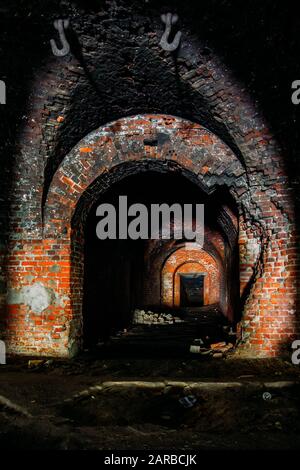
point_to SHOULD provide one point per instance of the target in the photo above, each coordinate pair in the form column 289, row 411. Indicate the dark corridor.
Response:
column 191, row 290
column 116, row 280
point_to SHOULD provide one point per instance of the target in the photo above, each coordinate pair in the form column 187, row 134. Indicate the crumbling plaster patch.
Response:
column 36, row 296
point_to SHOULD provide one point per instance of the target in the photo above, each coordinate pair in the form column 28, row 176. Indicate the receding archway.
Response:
column 176, row 145
column 116, row 275
column 133, row 145
column 190, row 259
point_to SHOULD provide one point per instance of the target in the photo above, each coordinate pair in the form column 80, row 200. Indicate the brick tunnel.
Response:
column 47, row 274
column 134, row 120
column 122, row 275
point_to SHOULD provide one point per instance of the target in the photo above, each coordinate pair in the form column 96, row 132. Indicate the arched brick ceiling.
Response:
column 185, row 145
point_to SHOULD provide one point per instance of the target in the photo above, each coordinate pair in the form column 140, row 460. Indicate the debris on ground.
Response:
column 195, row 349
column 147, row 317
column 188, row 401
column 35, row 363
column 217, row 355
column 215, row 350
column 218, row 345
column 199, row 341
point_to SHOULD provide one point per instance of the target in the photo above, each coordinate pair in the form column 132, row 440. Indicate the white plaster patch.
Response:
column 36, row 297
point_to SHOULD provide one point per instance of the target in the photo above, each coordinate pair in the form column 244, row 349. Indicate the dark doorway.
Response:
column 191, row 290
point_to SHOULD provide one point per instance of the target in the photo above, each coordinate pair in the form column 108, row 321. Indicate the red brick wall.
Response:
column 61, row 100
column 53, row 263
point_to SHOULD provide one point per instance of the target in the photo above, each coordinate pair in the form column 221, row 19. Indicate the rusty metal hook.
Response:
column 169, row 19
column 60, row 25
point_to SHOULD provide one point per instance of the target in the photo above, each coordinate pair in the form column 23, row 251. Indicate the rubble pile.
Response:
column 215, row 350
column 147, row 317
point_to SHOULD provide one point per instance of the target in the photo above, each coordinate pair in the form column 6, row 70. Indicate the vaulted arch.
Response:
column 144, row 140
column 191, row 258
column 166, row 144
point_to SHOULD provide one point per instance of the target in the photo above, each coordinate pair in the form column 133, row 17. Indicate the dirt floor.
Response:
column 94, row 402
